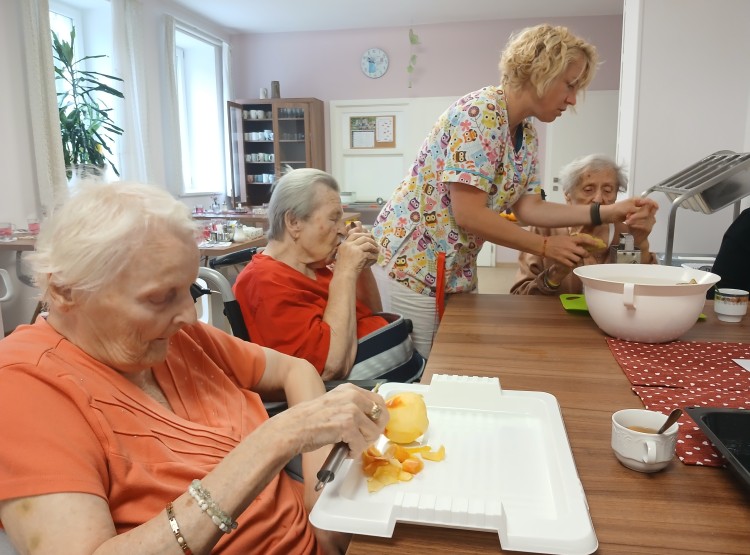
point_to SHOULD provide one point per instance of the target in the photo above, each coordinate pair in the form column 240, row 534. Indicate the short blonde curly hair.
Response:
column 537, row 55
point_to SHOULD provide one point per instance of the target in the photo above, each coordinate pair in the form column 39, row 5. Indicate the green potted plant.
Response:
column 85, row 122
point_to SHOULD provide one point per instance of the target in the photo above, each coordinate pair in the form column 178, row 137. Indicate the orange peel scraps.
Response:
column 396, row 464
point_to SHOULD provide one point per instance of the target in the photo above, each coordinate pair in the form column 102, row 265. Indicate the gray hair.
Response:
column 571, row 174
column 295, row 193
column 95, row 235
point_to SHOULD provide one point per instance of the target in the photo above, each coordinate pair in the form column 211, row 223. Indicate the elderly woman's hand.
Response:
column 357, row 252
column 641, row 223
column 628, row 210
column 348, row 414
column 568, row 250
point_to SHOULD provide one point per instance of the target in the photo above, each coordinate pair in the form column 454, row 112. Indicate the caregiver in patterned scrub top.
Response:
column 479, row 160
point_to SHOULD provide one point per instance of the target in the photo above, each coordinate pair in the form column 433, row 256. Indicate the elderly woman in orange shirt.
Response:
column 142, row 429
column 586, row 180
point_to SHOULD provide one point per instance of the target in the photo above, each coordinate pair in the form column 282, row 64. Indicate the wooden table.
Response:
column 210, row 252
column 532, row 343
column 22, row 243
column 28, row 243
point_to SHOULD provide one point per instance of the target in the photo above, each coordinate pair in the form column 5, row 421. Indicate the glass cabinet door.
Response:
column 260, row 156
column 236, row 153
column 292, row 136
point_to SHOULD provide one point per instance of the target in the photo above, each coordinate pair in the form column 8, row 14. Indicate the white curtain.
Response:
column 135, row 153
column 52, row 184
column 173, row 147
column 226, row 59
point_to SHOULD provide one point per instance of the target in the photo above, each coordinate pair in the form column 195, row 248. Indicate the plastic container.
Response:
column 644, row 302
column 729, row 431
column 508, row 468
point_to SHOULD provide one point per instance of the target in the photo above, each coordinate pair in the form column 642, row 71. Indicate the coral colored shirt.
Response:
column 283, row 309
column 69, row 423
column 469, row 144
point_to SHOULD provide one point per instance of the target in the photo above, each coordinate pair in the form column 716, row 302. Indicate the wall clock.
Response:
column 374, row 63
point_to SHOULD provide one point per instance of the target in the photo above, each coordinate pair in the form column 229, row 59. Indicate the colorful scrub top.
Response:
column 469, row 144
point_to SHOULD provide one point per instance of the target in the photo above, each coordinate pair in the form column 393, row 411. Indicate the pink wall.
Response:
column 452, row 59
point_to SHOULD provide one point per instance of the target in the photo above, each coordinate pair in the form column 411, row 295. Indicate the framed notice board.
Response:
column 372, row 131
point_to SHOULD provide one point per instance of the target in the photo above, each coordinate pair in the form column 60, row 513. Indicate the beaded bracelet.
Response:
column 208, row 506
column 176, row 530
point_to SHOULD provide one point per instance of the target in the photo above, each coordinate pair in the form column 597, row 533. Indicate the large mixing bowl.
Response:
column 644, row 302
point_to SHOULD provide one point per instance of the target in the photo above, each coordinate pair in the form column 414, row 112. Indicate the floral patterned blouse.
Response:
column 469, row 144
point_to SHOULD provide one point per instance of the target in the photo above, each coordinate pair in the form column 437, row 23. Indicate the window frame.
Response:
column 187, row 187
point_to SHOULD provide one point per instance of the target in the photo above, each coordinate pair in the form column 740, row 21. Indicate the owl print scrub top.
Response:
column 469, row 144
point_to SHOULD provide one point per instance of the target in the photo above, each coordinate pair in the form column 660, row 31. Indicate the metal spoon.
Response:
column 671, row 419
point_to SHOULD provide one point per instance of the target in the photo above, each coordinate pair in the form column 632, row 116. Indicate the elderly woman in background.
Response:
column 143, row 430
column 586, row 180
column 293, row 297
column 479, row 160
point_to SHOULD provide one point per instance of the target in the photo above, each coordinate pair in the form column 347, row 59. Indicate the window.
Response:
column 200, row 97
column 62, row 20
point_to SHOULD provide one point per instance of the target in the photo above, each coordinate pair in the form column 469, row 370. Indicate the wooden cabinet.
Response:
column 269, row 135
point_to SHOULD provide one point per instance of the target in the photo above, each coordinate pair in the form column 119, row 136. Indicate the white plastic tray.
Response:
column 508, row 468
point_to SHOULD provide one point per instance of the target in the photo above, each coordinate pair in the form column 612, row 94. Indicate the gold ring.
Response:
column 375, row 412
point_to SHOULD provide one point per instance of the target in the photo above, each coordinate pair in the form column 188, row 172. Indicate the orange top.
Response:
column 283, row 309
column 85, row 428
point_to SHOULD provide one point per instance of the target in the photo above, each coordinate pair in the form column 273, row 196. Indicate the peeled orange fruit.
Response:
column 408, row 417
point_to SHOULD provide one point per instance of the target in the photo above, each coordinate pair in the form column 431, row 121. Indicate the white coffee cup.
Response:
column 730, row 305
column 636, row 443
column 263, row 92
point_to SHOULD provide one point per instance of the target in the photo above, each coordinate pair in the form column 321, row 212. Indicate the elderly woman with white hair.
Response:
column 586, row 180
column 142, row 429
column 311, row 293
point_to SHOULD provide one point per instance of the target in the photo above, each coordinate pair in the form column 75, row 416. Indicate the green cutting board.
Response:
column 577, row 303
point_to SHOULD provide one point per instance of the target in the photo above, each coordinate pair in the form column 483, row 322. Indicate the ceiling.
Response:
column 276, row 16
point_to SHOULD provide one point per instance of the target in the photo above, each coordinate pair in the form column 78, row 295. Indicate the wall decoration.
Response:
column 372, row 131
column 413, row 41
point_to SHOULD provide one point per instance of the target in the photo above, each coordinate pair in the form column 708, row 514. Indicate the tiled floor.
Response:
column 497, row 279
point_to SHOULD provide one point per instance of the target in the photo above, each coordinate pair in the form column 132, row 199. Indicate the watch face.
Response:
column 374, row 63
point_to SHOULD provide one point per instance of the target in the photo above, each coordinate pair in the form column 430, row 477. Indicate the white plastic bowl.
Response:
column 643, row 302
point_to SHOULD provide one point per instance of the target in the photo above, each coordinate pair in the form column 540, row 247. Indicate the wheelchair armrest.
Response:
column 364, row 384
column 239, row 257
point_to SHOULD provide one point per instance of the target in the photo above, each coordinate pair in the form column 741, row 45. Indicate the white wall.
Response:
column 591, row 128
column 685, row 92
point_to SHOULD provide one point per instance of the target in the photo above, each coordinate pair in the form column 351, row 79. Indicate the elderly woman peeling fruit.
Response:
column 586, row 180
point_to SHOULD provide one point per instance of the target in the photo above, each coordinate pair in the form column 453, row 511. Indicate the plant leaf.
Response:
column 413, row 37
column 413, row 60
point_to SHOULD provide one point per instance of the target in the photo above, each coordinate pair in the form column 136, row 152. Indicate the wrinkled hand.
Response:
column 631, row 209
column 340, row 415
column 641, row 223
column 357, row 252
column 568, row 251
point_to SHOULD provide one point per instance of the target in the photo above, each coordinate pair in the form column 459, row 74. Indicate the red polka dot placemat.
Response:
column 684, row 374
